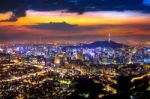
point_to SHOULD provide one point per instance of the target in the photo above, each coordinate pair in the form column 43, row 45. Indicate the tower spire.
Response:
column 109, row 37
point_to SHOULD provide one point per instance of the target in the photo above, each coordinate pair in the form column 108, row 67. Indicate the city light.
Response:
column 74, row 49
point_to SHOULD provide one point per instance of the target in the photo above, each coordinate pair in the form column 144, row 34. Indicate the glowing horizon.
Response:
column 96, row 18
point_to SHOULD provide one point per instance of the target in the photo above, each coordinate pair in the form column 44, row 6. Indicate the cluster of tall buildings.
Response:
column 51, row 54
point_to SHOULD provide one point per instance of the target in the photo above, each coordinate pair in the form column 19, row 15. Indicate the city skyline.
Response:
column 75, row 49
column 74, row 20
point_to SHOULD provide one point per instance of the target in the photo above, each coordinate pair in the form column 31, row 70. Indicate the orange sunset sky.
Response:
column 64, row 25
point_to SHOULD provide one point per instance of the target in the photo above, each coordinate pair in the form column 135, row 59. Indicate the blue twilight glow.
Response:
column 147, row 2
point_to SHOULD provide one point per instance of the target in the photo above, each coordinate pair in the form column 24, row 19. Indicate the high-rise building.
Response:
column 57, row 60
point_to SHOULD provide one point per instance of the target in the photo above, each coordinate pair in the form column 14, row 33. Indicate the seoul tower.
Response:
column 109, row 37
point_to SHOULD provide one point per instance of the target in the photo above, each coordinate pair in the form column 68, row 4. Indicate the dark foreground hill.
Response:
column 110, row 44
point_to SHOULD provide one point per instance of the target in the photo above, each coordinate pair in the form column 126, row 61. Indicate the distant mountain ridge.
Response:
column 110, row 44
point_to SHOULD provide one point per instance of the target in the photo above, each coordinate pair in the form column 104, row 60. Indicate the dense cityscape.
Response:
column 55, row 71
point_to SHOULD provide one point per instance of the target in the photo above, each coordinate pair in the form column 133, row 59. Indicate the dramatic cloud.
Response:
column 19, row 7
column 5, row 16
column 54, row 26
column 62, row 27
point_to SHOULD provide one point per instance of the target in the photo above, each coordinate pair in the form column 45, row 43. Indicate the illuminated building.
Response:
column 147, row 61
column 57, row 60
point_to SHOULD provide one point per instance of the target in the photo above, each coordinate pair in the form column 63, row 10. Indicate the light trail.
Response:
column 141, row 77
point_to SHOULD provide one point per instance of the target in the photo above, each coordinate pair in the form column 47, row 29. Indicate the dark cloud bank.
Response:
column 19, row 7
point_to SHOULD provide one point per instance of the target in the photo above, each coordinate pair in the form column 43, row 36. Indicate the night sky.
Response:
column 78, row 20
